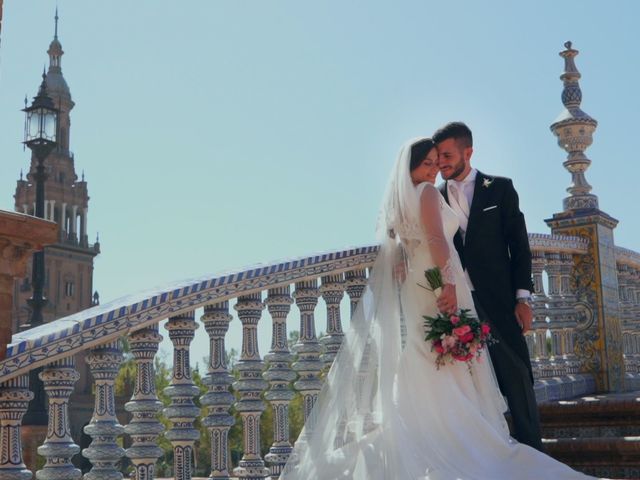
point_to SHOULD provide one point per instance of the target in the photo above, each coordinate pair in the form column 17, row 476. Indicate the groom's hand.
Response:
column 524, row 316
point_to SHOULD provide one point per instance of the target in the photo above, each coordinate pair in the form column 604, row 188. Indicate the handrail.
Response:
column 104, row 323
column 543, row 242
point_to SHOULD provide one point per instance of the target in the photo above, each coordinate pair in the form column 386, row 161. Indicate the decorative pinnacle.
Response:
column 55, row 35
column 574, row 129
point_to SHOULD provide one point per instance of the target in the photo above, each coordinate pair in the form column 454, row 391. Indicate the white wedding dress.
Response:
column 386, row 412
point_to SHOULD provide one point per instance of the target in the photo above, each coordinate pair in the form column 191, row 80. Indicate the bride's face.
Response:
column 427, row 170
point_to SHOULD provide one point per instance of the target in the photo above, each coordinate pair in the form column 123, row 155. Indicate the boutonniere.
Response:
column 486, row 183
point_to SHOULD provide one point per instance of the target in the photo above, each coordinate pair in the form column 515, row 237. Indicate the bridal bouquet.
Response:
column 455, row 337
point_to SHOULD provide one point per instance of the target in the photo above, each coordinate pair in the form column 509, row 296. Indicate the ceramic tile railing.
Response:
column 272, row 380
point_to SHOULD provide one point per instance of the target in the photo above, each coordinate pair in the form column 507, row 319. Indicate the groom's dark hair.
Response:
column 419, row 152
column 456, row 130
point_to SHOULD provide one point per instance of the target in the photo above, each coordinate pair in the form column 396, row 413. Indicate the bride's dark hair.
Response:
column 419, row 151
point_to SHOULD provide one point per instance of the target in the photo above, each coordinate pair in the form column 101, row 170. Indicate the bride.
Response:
column 386, row 412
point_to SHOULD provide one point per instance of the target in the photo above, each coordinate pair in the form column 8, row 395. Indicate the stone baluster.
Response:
column 14, row 400
column 624, row 291
column 104, row 453
column 631, row 288
column 332, row 291
column 628, row 344
column 218, row 399
column 355, row 281
column 308, row 348
column 250, row 386
column 565, row 322
column 635, row 348
column 58, row 448
column 182, row 412
column 539, row 305
column 626, row 315
column 279, row 375
column 635, row 294
column 555, row 302
column 144, row 427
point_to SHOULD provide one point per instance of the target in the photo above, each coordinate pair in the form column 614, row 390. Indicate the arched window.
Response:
column 69, row 288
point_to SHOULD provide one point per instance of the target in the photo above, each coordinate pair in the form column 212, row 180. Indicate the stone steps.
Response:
column 598, row 435
column 608, row 457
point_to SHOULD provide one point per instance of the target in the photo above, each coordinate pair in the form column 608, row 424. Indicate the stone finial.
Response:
column 574, row 129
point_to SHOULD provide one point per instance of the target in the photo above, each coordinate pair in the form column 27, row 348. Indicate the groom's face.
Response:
column 454, row 160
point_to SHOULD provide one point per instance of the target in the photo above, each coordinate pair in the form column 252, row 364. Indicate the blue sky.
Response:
column 218, row 134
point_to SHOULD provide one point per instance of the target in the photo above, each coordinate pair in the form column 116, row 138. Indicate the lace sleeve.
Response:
column 431, row 216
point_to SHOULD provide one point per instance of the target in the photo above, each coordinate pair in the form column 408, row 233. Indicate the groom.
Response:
column 494, row 249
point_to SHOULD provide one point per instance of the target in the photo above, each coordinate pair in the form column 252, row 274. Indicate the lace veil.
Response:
column 354, row 415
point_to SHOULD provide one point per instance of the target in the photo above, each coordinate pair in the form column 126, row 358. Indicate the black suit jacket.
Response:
column 496, row 250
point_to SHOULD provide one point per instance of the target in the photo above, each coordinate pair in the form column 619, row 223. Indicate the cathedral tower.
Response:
column 69, row 263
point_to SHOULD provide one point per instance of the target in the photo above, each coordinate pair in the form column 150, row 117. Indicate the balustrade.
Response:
column 258, row 384
column 628, row 277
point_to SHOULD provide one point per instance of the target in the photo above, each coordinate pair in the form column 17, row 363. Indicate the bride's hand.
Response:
column 447, row 301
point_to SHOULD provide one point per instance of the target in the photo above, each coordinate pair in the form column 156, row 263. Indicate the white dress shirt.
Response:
column 465, row 187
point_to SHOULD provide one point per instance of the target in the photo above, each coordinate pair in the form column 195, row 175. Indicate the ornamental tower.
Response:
column 598, row 340
column 69, row 263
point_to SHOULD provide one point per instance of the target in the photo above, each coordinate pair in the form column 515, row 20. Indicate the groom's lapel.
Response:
column 480, row 197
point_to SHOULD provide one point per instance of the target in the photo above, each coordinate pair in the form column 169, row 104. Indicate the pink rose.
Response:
column 485, row 329
column 454, row 319
column 437, row 346
column 467, row 337
column 460, row 331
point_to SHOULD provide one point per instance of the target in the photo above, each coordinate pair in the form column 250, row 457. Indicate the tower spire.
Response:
column 574, row 129
column 55, row 35
column 55, row 48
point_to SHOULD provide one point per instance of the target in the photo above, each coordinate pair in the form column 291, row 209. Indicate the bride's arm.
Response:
column 431, row 216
